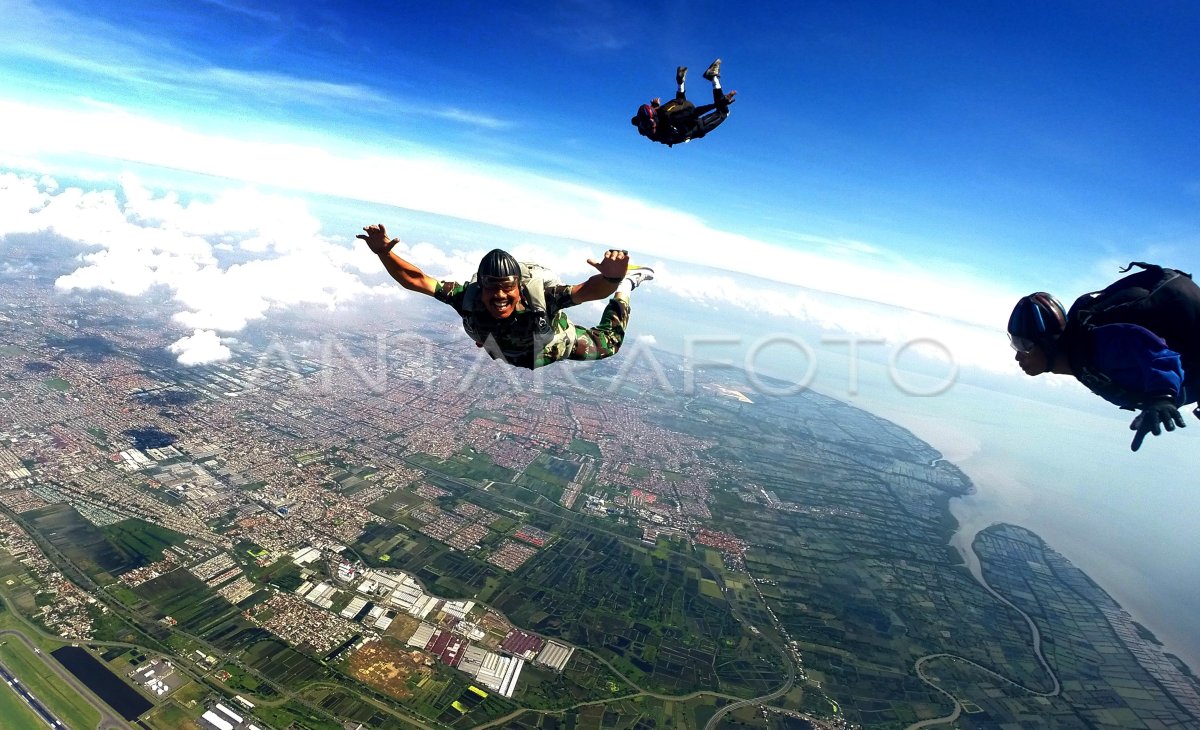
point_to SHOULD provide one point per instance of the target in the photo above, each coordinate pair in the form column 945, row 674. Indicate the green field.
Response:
column 58, row 384
column 585, row 447
column 294, row 714
column 81, row 541
column 170, row 716
column 141, row 541
column 282, row 664
column 189, row 601
column 467, row 464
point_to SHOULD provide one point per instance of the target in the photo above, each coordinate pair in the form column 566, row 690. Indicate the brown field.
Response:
column 403, row 626
column 387, row 666
column 494, row 625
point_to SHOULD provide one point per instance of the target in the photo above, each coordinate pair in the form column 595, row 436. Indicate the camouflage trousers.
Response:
column 580, row 343
column 604, row 339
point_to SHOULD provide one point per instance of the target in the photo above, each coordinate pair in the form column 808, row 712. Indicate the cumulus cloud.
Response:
column 141, row 240
column 200, row 347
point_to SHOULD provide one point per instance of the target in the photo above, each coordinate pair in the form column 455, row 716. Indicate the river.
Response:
column 1108, row 517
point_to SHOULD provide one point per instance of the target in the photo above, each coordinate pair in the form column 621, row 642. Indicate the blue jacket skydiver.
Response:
column 1110, row 342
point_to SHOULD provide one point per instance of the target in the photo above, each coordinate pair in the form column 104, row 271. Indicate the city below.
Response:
column 382, row 528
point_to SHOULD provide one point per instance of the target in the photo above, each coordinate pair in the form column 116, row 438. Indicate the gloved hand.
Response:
column 1153, row 417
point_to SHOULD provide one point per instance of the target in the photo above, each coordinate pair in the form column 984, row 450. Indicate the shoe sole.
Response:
column 648, row 276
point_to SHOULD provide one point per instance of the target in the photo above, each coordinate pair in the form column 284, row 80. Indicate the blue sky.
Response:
column 928, row 130
column 884, row 161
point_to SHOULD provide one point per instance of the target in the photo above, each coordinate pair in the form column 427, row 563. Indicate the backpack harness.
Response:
column 480, row 326
column 1164, row 301
column 647, row 120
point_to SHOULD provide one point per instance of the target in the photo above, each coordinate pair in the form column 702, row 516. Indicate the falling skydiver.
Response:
column 1136, row 343
column 515, row 311
column 679, row 120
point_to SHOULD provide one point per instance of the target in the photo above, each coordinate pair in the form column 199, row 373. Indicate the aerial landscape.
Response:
column 296, row 537
column 442, row 366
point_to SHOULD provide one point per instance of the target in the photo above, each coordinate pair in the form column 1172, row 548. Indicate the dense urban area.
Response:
column 376, row 526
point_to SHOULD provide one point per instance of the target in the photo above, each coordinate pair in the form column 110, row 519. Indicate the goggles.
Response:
column 497, row 282
column 1022, row 345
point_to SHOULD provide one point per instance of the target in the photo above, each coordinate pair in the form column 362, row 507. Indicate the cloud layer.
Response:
column 141, row 240
column 276, row 257
column 509, row 198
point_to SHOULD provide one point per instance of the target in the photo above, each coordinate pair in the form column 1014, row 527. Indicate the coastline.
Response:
column 1067, row 476
column 982, row 508
column 1057, row 514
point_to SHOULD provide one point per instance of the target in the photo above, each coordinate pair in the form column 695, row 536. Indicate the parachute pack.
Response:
column 646, row 120
column 1164, row 301
column 534, row 280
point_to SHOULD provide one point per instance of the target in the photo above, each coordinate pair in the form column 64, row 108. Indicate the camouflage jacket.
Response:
column 516, row 339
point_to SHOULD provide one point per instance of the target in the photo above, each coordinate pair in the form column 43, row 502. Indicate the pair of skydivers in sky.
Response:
column 515, row 310
column 1135, row 343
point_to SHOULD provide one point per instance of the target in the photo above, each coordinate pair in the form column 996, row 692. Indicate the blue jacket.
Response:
column 1129, row 365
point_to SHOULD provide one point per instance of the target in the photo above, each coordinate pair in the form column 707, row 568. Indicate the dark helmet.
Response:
column 1038, row 319
column 499, row 262
column 498, row 266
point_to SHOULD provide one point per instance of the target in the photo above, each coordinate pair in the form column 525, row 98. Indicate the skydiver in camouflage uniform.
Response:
column 516, row 311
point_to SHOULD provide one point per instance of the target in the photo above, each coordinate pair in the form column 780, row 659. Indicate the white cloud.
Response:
column 514, row 199
column 200, row 347
column 144, row 240
column 19, row 198
column 840, row 316
column 158, row 240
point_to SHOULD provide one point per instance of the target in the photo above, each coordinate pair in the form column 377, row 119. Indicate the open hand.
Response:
column 377, row 239
column 1153, row 418
column 614, row 264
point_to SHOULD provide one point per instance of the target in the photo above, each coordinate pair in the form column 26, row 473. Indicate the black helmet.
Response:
column 1038, row 319
column 498, row 267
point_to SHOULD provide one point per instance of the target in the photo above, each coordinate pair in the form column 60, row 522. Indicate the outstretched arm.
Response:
column 408, row 275
column 612, row 269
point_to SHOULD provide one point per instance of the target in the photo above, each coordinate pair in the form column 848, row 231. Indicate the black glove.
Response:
column 1154, row 415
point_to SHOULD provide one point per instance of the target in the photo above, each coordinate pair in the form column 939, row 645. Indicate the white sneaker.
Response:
column 637, row 275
